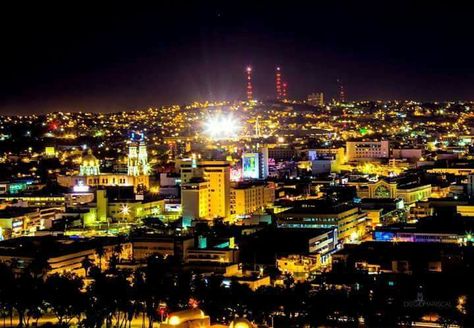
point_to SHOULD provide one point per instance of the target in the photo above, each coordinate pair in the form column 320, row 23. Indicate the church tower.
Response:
column 143, row 158
column 138, row 157
column 132, row 159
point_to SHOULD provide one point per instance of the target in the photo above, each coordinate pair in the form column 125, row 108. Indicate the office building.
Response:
column 205, row 189
column 350, row 222
column 366, row 150
column 249, row 197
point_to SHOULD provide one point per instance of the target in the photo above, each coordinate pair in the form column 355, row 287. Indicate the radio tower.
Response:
column 341, row 91
column 249, row 84
column 284, row 89
column 278, row 83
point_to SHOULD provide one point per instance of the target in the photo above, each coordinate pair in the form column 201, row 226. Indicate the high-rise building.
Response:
column 195, row 199
column 201, row 179
column 316, row 99
column 255, row 165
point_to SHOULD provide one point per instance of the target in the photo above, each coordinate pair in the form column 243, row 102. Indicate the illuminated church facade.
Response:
column 90, row 175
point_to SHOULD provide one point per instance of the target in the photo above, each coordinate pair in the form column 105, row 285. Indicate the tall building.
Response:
column 316, row 99
column 201, row 179
column 255, row 165
column 195, row 199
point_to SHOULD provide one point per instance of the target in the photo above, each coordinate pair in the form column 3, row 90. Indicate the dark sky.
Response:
column 123, row 55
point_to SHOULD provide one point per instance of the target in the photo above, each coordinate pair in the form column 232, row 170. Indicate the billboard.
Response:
column 250, row 166
column 236, row 174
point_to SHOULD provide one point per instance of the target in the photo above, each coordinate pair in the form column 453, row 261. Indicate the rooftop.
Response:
column 318, row 207
column 51, row 246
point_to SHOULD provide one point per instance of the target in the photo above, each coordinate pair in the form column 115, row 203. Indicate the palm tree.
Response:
column 39, row 267
column 63, row 294
column 7, row 292
column 118, row 249
column 100, row 251
column 86, row 264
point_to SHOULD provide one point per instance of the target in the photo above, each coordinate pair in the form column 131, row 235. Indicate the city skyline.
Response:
column 237, row 164
column 114, row 58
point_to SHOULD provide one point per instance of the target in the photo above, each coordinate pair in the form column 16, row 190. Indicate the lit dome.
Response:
column 177, row 318
column 89, row 158
column 240, row 323
column 90, row 164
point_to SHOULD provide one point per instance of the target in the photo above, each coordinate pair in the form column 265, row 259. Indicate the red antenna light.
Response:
column 278, row 83
column 249, row 84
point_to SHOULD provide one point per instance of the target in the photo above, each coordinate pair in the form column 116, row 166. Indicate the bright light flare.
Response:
column 222, row 127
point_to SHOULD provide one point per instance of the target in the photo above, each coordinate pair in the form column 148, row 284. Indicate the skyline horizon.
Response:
column 109, row 58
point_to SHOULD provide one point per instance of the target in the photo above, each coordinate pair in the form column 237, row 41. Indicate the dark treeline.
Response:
column 116, row 297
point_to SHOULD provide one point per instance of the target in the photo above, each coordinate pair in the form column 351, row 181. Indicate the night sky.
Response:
column 112, row 57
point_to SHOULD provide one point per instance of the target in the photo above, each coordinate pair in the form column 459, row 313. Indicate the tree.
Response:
column 118, row 249
column 100, row 251
column 63, row 294
column 86, row 265
column 110, row 300
column 40, row 266
column 7, row 283
column 27, row 298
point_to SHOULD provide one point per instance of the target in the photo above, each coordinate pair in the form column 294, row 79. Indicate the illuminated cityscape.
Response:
column 282, row 201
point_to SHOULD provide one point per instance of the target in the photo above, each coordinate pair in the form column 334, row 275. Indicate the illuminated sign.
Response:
column 384, row 236
column 250, row 166
column 236, row 174
column 17, row 187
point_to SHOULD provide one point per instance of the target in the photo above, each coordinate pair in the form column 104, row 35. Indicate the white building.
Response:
column 366, row 150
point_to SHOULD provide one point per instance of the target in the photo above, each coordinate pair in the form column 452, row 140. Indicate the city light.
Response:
column 125, row 209
column 222, row 127
column 131, row 196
